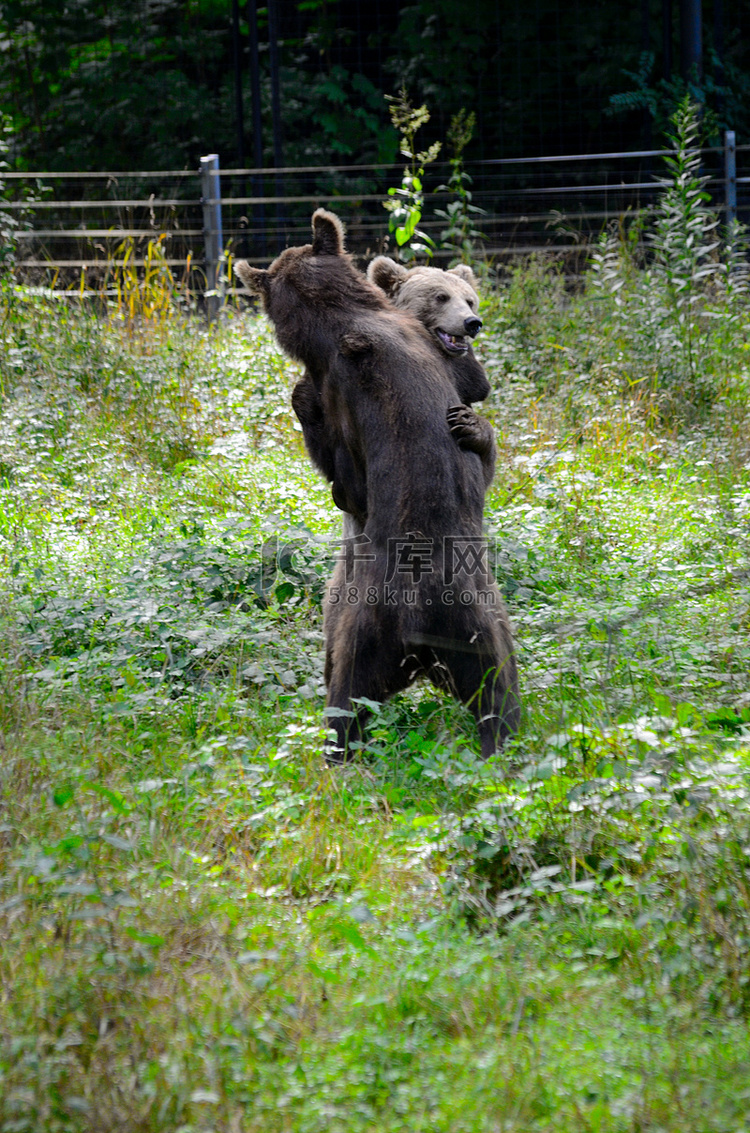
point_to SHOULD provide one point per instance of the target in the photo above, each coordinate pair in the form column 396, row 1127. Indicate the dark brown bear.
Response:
column 418, row 599
column 328, row 451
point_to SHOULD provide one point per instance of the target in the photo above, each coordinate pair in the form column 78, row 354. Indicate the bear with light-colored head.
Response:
column 446, row 302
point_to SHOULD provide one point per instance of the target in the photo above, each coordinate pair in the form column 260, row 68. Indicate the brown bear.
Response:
column 454, row 295
column 419, row 598
column 445, row 302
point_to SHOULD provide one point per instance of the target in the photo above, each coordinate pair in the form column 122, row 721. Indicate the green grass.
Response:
column 204, row 928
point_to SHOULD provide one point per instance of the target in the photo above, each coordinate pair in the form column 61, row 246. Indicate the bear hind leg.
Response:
column 489, row 688
column 369, row 667
column 497, row 708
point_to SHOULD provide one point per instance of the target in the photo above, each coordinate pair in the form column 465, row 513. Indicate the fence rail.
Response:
column 528, row 204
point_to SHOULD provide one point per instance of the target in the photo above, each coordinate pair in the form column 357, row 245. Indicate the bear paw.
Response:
column 469, row 431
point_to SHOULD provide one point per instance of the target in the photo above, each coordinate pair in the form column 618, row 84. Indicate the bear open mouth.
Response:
column 453, row 343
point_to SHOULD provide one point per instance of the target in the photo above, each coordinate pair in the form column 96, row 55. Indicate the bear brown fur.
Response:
column 326, row 447
column 388, row 392
column 445, row 302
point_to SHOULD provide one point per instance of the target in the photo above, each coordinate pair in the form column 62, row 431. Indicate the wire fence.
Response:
column 75, row 227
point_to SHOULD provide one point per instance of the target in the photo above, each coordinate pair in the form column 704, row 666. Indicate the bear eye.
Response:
column 443, row 298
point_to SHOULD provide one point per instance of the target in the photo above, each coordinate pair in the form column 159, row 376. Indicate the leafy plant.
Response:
column 736, row 262
column 723, row 100
column 11, row 221
column 684, row 236
column 8, row 221
column 406, row 203
column 461, row 236
column 671, row 285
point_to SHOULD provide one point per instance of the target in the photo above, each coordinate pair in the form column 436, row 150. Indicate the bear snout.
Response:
column 472, row 326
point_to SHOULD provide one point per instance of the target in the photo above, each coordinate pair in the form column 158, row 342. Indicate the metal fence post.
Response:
column 212, row 234
column 730, row 175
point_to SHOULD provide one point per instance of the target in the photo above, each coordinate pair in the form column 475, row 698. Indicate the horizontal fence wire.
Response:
column 93, row 233
column 557, row 204
column 108, row 263
column 265, row 171
column 35, row 206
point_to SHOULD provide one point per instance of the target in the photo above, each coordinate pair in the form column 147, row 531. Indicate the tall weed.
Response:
column 405, row 203
column 664, row 300
column 145, row 296
column 461, row 236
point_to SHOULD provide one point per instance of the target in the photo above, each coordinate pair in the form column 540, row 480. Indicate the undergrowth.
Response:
column 205, row 928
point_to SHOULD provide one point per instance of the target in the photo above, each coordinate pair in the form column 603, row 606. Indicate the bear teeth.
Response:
column 455, row 343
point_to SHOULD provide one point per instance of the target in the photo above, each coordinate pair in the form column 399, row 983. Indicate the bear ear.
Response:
column 386, row 274
column 328, row 234
column 463, row 271
column 254, row 279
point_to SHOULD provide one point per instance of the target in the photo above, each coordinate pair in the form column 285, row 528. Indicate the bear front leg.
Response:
column 349, row 488
column 320, row 441
column 328, row 452
column 474, row 434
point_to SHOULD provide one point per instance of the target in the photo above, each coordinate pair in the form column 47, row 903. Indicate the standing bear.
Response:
column 445, row 302
column 419, row 598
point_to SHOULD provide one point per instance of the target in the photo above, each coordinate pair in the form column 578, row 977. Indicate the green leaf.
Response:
column 149, row 938
column 62, row 795
column 351, row 934
column 113, row 797
column 284, row 591
column 327, row 975
column 72, row 842
column 373, row 706
column 116, row 842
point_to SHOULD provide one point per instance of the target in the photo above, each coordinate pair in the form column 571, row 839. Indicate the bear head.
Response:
column 445, row 302
column 328, row 240
column 306, row 287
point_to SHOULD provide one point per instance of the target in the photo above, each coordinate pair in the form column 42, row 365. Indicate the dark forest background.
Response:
column 152, row 84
